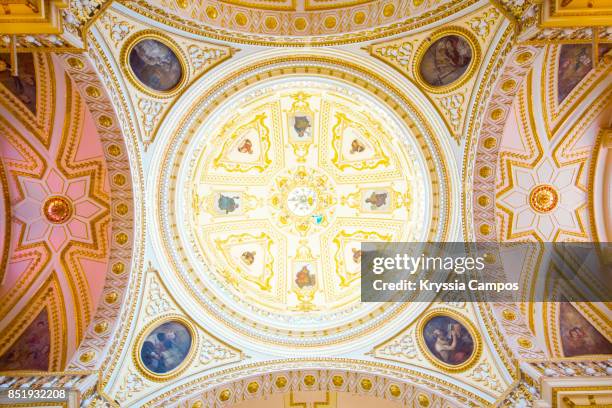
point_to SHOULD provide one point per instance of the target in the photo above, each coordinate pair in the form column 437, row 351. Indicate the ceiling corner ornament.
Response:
column 159, row 66
column 147, row 63
column 446, row 341
column 461, row 36
column 162, row 342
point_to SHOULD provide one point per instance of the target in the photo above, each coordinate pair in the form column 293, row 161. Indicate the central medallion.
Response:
column 302, row 200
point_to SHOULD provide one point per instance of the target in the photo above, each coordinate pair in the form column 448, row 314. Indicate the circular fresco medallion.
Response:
column 446, row 60
column 164, row 348
column 450, row 341
column 155, row 64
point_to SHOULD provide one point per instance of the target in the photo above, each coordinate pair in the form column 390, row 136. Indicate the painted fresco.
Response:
column 448, row 340
column 166, row 347
column 155, row 65
column 575, row 62
column 22, row 86
column 446, row 60
column 578, row 336
column 31, row 350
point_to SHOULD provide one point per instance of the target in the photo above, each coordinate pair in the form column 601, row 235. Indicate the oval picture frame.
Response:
column 466, row 35
column 134, row 40
column 468, row 325
column 147, row 330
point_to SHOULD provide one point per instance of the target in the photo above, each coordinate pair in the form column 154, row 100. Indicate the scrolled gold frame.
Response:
column 167, row 41
column 449, row 368
column 462, row 32
column 146, row 331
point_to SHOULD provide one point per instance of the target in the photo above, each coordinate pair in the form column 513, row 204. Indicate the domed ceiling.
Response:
column 275, row 188
column 287, row 179
column 187, row 189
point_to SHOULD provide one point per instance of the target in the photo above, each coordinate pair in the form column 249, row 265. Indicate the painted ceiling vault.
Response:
column 186, row 186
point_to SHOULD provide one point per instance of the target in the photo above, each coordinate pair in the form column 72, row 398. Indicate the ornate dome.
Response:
column 187, row 186
column 275, row 190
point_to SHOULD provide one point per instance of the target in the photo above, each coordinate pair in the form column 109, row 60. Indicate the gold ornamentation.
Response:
column 359, row 17
column 118, row 268
column 524, row 342
column 366, row 384
column 405, row 21
column 497, row 114
column 101, row 327
column 76, row 63
column 508, row 85
column 122, row 209
column 485, row 229
column 346, row 276
column 212, row 12
column 87, row 356
column 423, row 400
column 271, row 23
column 485, row 171
column 329, row 22
column 388, row 10
column 281, row 71
column 113, row 150
column 57, row 209
column 543, row 198
column 301, row 108
column 483, row 201
column 300, row 23
column 225, row 395
column 93, row 91
column 337, row 380
column 452, row 106
column 483, row 23
column 281, row 382
column 262, row 280
column 490, row 142
column 394, row 390
column 105, row 121
column 309, row 380
column 111, row 297
column 509, row 314
column 448, row 368
column 241, row 19
column 119, row 179
column 524, row 57
column 121, row 238
column 252, row 387
column 144, row 333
